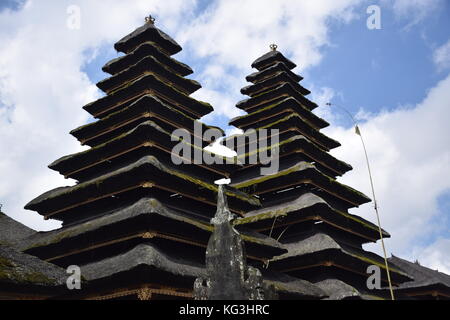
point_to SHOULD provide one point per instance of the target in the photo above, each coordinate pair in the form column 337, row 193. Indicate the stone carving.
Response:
column 227, row 275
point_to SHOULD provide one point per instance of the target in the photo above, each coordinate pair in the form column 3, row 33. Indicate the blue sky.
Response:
column 387, row 67
column 396, row 79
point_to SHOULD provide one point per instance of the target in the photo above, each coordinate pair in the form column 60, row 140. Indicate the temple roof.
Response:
column 423, row 276
column 147, row 172
column 314, row 243
column 271, row 82
column 22, row 269
column 161, row 219
column 145, row 84
column 286, row 120
column 319, row 245
column 148, row 64
column 291, row 175
column 148, row 135
column 339, row 290
column 142, row 255
column 293, row 287
column 272, row 70
column 143, row 50
column 147, row 32
column 270, row 58
column 144, row 206
column 149, row 256
column 301, row 144
column 274, row 94
column 313, row 205
column 145, row 108
column 286, row 104
column 12, row 231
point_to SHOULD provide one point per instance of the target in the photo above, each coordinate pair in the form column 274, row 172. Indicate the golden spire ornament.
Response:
column 149, row 19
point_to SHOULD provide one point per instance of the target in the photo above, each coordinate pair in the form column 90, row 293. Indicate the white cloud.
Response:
column 435, row 255
column 409, row 151
column 42, row 88
column 441, row 57
column 232, row 131
column 223, row 104
column 414, row 10
column 220, row 149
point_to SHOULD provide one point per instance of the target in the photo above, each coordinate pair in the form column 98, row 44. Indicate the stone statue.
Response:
column 227, row 275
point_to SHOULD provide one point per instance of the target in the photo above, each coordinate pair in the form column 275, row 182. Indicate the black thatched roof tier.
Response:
column 427, row 282
column 292, row 175
column 339, row 290
column 307, row 208
column 148, row 65
column 149, row 174
column 143, row 50
column 12, row 231
column 148, row 84
column 320, row 250
column 159, row 267
column 290, row 288
column 271, row 71
column 146, row 138
column 296, row 144
column 17, row 268
column 146, row 108
column 285, row 106
column 273, row 82
column 144, row 217
column 274, row 95
column 147, row 32
column 290, row 124
column 271, row 58
column 147, row 263
column 287, row 119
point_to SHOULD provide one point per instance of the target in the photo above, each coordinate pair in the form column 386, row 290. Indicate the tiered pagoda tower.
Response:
column 135, row 223
column 304, row 207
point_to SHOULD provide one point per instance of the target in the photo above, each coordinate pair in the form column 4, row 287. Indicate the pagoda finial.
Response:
column 149, row 19
column 273, row 47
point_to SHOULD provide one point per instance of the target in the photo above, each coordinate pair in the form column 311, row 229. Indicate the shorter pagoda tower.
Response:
column 304, row 206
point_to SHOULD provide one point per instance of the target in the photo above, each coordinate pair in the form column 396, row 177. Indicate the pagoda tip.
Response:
column 273, row 47
column 149, row 19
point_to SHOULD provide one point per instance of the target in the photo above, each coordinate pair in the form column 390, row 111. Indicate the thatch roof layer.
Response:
column 270, row 58
column 23, row 269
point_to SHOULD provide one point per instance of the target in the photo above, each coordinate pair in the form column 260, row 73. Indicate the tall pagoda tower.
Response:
column 135, row 223
column 304, row 207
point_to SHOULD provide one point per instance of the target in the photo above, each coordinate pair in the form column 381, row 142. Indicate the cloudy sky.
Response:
column 395, row 80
